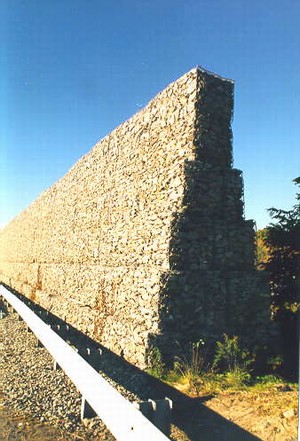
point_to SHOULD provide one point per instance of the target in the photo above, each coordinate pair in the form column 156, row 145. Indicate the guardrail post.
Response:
column 56, row 366
column 146, row 408
column 96, row 357
column 85, row 353
column 158, row 412
column 38, row 343
column 162, row 414
column 86, row 410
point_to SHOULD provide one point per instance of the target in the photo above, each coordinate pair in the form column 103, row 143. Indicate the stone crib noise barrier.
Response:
column 143, row 245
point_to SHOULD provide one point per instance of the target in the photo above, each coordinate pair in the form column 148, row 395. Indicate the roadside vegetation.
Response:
column 231, row 368
column 228, row 383
column 278, row 255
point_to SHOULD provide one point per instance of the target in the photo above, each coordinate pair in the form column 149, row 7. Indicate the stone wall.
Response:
column 143, row 242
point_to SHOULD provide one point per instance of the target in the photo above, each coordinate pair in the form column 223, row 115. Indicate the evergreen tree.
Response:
column 282, row 238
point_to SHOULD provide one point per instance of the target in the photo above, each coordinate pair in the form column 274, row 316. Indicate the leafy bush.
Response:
column 230, row 357
column 157, row 367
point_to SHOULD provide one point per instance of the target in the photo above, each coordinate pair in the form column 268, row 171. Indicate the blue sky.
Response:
column 73, row 70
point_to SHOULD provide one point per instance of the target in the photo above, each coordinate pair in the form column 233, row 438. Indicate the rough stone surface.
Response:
column 143, row 242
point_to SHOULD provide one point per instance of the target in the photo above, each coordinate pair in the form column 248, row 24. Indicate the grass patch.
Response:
column 211, row 383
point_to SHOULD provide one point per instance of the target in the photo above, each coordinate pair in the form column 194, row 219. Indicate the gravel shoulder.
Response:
column 32, row 387
column 42, row 404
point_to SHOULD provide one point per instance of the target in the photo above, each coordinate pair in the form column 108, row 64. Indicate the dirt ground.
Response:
column 270, row 415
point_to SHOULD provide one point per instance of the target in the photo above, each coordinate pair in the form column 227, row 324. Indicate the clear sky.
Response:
column 73, row 70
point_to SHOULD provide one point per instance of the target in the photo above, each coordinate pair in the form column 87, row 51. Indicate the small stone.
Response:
column 288, row 413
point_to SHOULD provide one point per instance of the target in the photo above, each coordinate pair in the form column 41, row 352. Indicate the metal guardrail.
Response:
column 124, row 421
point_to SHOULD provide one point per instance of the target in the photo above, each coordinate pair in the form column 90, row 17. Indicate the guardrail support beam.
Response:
column 158, row 412
column 86, row 410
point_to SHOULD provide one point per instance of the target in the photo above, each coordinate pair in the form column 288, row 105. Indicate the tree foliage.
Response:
column 282, row 239
column 263, row 251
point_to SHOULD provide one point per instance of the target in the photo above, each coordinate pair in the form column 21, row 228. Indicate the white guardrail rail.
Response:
column 120, row 416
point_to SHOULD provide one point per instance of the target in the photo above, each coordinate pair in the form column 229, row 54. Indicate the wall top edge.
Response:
column 192, row 73
column 208, row 72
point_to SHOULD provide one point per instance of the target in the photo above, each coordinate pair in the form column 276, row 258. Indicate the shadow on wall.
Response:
column 196, row 420
column 212, row 287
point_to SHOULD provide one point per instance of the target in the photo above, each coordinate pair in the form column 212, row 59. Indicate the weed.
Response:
column 237, row 378
column 191, row 370
column 266, row 382
column 230, row 357
column 268, row 379
column 275, row 362
column 157, row 367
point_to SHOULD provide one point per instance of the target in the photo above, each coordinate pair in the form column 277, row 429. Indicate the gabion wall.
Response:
column 143, row 242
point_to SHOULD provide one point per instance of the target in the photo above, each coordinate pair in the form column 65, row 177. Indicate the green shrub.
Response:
column 268, row 379
column 157, row 367
column 230, row 357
